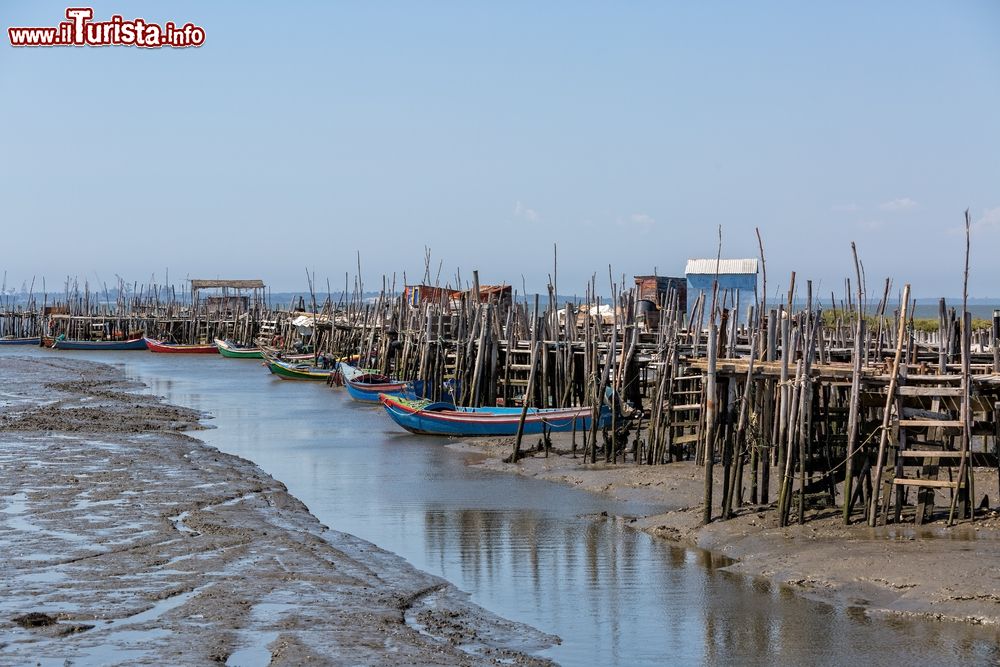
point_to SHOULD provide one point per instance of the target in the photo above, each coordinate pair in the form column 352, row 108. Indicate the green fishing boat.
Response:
column 227, row 348
column 298, row 371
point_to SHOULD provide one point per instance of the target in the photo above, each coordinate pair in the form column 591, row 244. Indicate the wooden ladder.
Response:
column 519, row 364
column 202, row 335
column 931, row 440
column 685, row 405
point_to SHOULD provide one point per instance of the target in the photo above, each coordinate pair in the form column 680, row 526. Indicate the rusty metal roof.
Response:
column 231, row 284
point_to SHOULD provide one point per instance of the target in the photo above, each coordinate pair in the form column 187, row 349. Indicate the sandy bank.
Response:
column 126, row 542
column 930, row 571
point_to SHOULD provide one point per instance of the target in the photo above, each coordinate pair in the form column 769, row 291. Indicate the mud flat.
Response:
column 125, row 541
column 920, row 571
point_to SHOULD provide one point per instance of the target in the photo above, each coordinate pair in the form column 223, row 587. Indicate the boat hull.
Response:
column 227, row 350
column 446, row 419
column 369, row 393
column 134, row 344
column 172, row 348
column 21, row 341
column 288, row 371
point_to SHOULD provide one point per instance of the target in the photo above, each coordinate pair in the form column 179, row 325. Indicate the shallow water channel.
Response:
column 525, row 549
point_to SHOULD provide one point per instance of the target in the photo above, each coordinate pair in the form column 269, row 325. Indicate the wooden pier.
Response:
column 852, row 406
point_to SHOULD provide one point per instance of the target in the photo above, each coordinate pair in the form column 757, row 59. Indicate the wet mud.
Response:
column 126, row 541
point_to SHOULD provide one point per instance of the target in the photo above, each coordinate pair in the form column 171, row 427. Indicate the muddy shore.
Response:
column 126, row 541
column 927, row 571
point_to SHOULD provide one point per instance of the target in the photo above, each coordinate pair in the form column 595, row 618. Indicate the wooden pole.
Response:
column 710, row 419
column 995, row 342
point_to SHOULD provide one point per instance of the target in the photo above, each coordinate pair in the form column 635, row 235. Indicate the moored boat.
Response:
column 292, row 370
column 269, row 352
column 180, row 348
column 345, row 371
column 131, row 344
column 366, row 386
column 230, row 349
column 441, row 418
column 37, row 340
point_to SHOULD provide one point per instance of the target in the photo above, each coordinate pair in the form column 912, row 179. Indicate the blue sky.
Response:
column 301, row 133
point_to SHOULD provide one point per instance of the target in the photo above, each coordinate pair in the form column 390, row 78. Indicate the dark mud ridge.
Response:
column 127, row 542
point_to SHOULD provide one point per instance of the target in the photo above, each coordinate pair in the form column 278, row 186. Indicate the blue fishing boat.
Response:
column 65, row 344
column 366, row 387
column 442, row 418
column 21, row 341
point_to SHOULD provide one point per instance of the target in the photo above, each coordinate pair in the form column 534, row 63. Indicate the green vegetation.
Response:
column 830, row 318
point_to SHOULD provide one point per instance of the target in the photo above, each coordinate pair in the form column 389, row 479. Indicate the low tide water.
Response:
column 526, row 549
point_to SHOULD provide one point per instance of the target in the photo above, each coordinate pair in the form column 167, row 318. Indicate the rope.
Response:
column 850, row 456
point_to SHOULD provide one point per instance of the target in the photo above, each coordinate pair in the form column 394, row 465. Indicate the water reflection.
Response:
column 526, row 549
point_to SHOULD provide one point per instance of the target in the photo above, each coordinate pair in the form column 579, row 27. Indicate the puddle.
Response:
column 17, row 519
column 49, row 576
column 159, row 608
column 911, row 532
column 252, row 642
column 253, row 651
column 119, row 650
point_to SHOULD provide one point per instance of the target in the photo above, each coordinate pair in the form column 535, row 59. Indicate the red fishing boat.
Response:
column 179, row 348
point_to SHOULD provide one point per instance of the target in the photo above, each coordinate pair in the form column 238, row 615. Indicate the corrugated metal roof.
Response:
column 724, row 266
column 232, row 284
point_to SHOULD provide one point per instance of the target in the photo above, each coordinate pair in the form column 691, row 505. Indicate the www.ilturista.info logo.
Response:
column 79, row 30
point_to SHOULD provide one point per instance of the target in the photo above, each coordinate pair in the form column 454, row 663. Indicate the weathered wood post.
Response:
column 942, row 337
column 853, row 417
column 741, row 430
column 710, row 419
column 995, row 342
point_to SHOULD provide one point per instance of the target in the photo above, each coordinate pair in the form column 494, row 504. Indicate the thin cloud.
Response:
column 529, row 214
column 871, row 224
column 902, row 204
column 845, row 208
column 988, row 223
column 641, row 221
column 990, row 220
